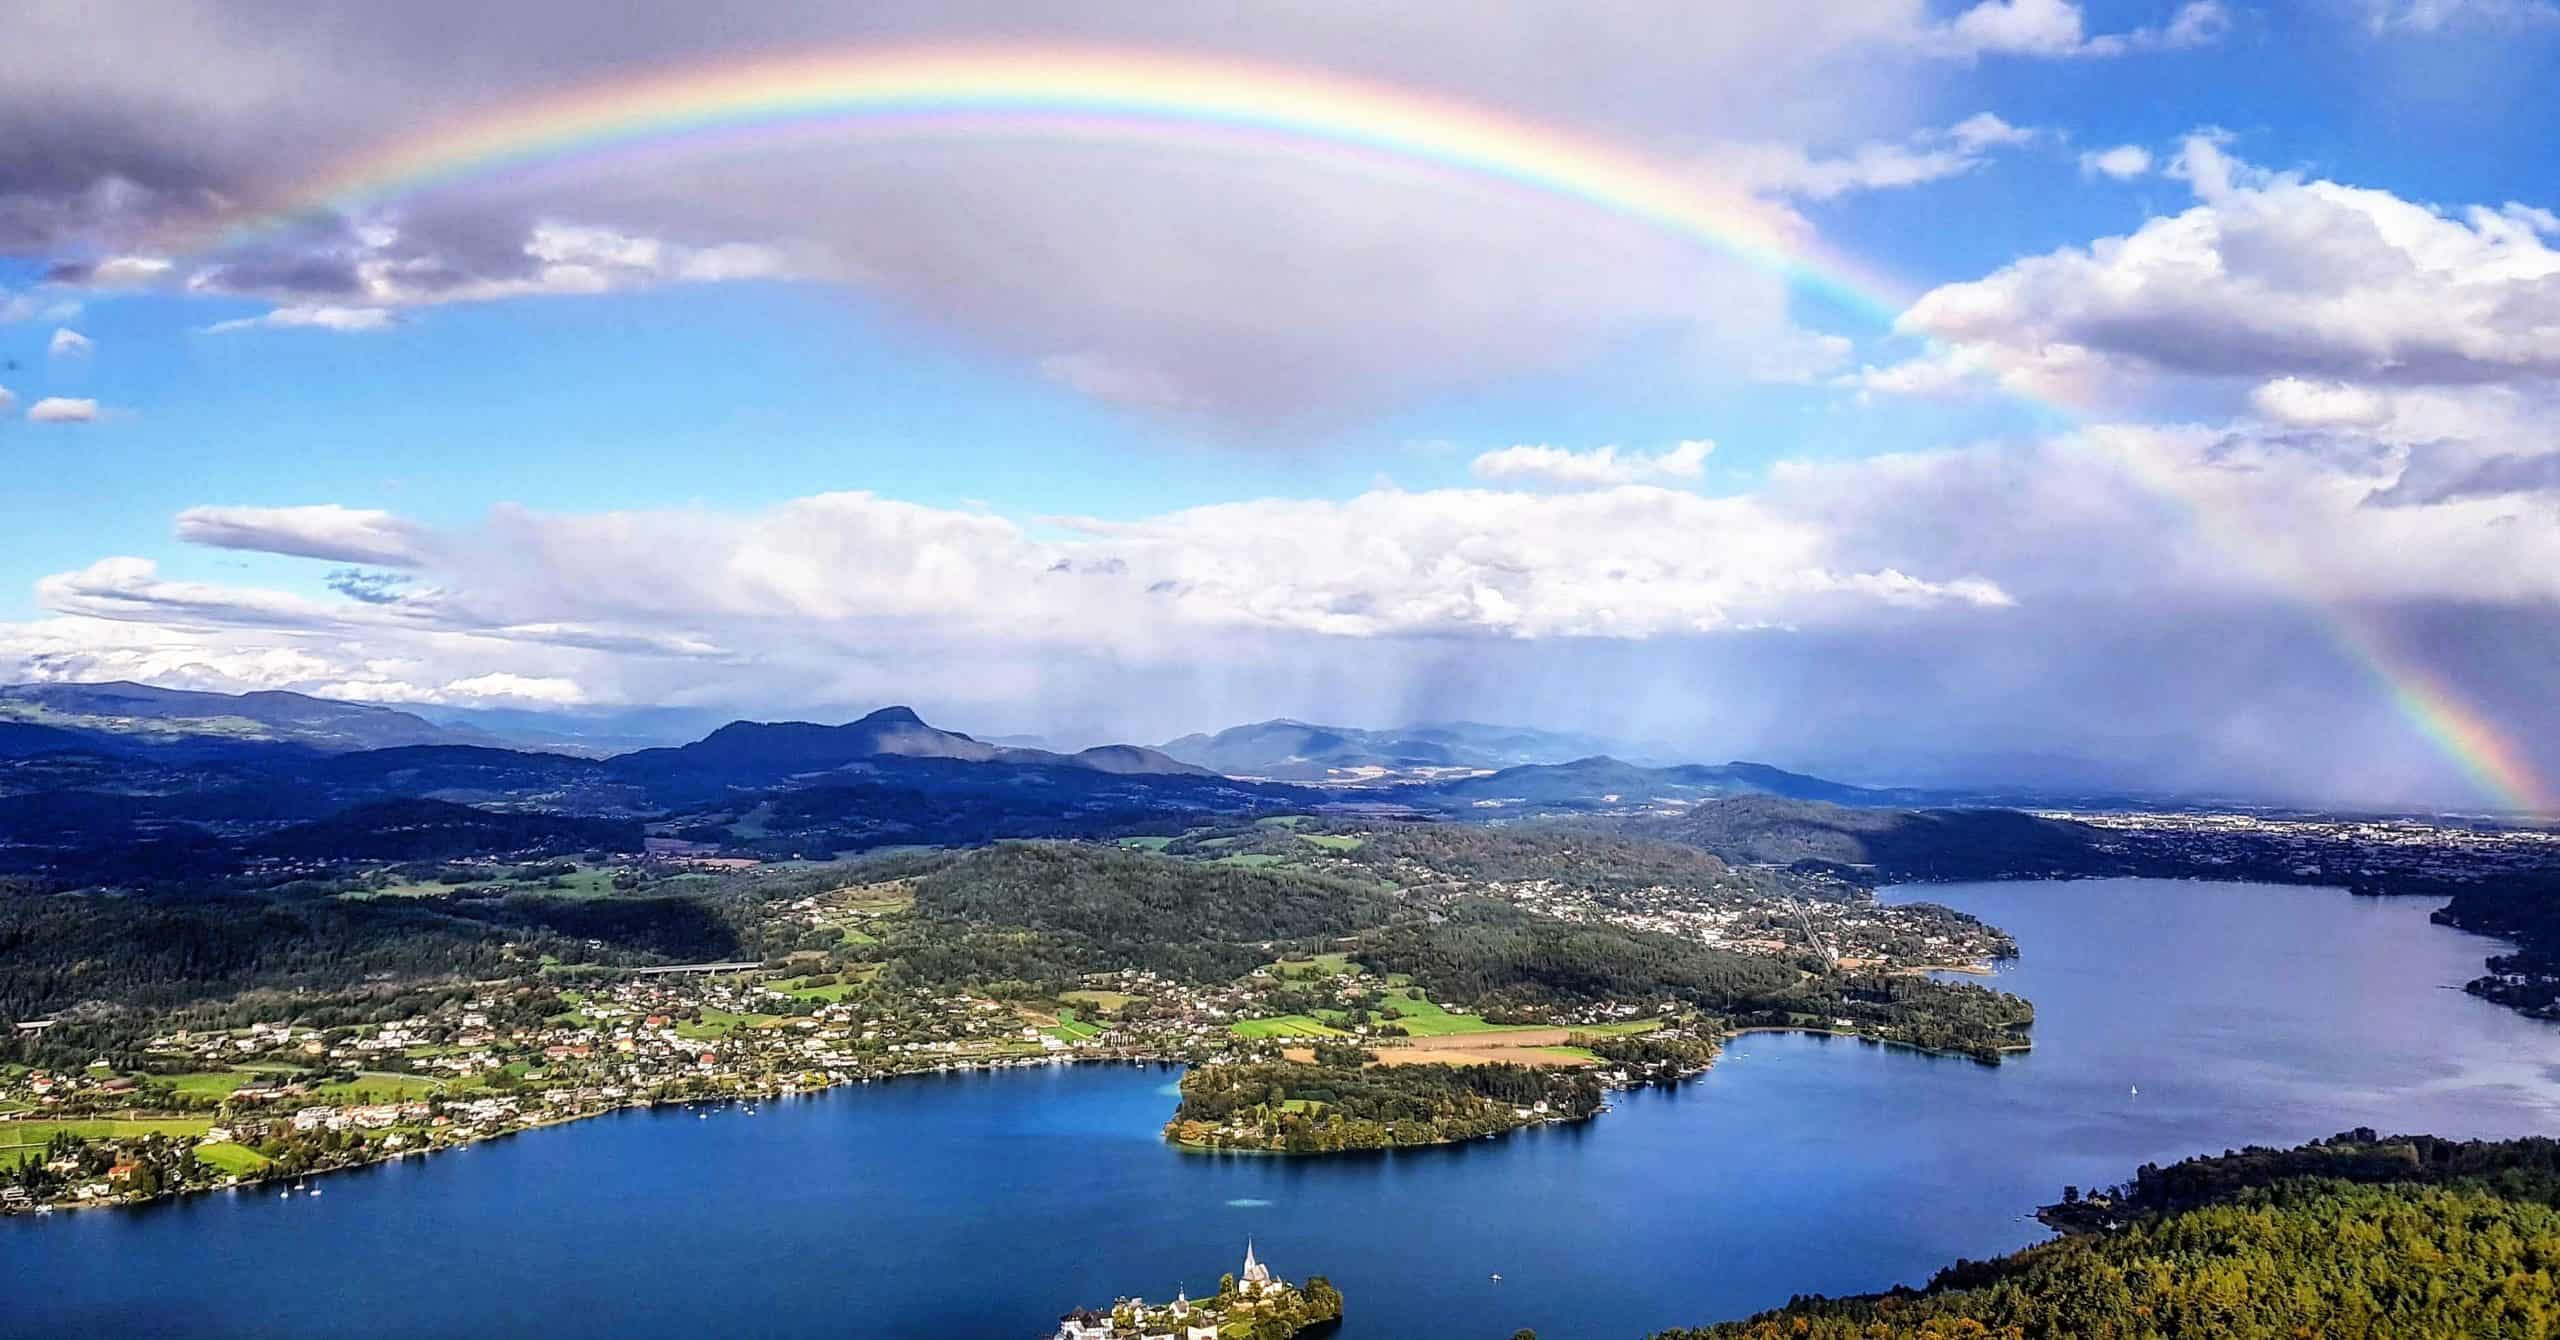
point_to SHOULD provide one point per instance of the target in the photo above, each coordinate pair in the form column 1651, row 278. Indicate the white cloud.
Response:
column 2272, row 275
column 1598, row 467
column 345, row 534
column 2124, row 162
column 1926, row 156
column 2057, row 28
column 128, row 271
column 1617, row 561
column 376, row 265
column 2310, row 404
column 62, row 409
column 312, row 316
column 2177, row 571
column 8, row 399
column 2429, row 16
column 536, row 690
column 69, row 343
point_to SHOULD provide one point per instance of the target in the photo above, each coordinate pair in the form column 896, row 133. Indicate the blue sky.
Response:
column 1144, row 440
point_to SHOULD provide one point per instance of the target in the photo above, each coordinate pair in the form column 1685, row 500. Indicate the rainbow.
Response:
column 1079, row 93
column 1123, row 96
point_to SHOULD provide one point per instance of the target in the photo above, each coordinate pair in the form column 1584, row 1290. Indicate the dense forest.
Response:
column 1337, row 1103
column 1584, row 857
column 159, row 951
column 1040, row 915
column 2355, row 1238
column 1508, row 963
column 1895, row 844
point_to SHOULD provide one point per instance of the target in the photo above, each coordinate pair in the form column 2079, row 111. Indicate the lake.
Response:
column 986, row 1204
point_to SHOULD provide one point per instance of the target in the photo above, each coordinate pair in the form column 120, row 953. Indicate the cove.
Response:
column 986, row 1204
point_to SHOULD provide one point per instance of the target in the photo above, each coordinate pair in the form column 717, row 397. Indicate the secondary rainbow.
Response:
column 1120, row 95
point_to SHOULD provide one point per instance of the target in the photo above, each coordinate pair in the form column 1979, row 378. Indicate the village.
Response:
column 276, row 1100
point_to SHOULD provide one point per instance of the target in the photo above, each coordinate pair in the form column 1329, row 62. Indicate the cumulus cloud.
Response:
column 500, row 687
column 2124, row 162
column 63, row 409
column 2274, row 275
column 2057, row 28
column 1616, row 561
column 69, row 343
column 2310, row 404
column 8, row 399
column 1598, row 467
column 327, row 530
column 1803, row 612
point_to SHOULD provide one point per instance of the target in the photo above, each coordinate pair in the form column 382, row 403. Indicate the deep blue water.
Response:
column 984, row 1205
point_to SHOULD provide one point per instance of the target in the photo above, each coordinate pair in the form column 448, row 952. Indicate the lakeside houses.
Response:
column 275, row 1099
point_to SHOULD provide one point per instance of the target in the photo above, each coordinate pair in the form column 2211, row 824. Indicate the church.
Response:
column 1179, row 1320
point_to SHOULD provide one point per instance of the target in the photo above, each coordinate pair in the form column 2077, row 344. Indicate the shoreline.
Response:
column 548, row 1122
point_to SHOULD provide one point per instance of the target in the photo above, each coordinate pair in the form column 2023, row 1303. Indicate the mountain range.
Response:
column 121, row 714
column 126, row 777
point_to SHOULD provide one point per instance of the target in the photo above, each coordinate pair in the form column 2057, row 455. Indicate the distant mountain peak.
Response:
column 896, row 715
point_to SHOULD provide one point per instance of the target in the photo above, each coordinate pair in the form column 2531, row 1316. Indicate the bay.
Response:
column 986, row 1204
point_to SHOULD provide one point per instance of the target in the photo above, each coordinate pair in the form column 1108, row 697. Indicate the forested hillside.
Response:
column 2357, row 1238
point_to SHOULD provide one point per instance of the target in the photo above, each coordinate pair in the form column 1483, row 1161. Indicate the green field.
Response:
column 585, row 882
column 1106, row 1001
column 1146, row 843
column 379, row 1086
column 835, row 992
column 1254, row 859
column 23, row 1140
column 1322, row 965
column 1283, row 820
column 721, row 1023
column 1333, row 841
column 1421, row 1018
column 1286, row 1026
column 205, row 1083
column 238, row 1160
column 1069, row 1028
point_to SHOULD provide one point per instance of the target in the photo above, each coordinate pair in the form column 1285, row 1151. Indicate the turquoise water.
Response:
column 984, row 1205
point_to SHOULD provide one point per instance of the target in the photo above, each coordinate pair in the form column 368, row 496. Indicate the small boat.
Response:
column 1497, row 1277
column 2135, row 1091
column 315, row 1191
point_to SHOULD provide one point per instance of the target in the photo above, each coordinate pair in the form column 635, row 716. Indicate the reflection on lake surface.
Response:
column 984, row 1205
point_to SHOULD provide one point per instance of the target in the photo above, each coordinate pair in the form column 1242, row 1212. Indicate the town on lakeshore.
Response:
column 1297, row 1042
column 1250, row 1304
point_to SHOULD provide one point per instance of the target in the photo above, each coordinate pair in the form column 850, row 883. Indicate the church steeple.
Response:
column 1255, row 1273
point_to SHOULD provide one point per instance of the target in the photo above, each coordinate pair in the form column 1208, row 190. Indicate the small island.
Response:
column 1252, row 1304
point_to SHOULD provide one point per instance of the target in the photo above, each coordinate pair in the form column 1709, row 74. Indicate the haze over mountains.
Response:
column 120, row 711
column 1297, row 751
column 118, row 778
